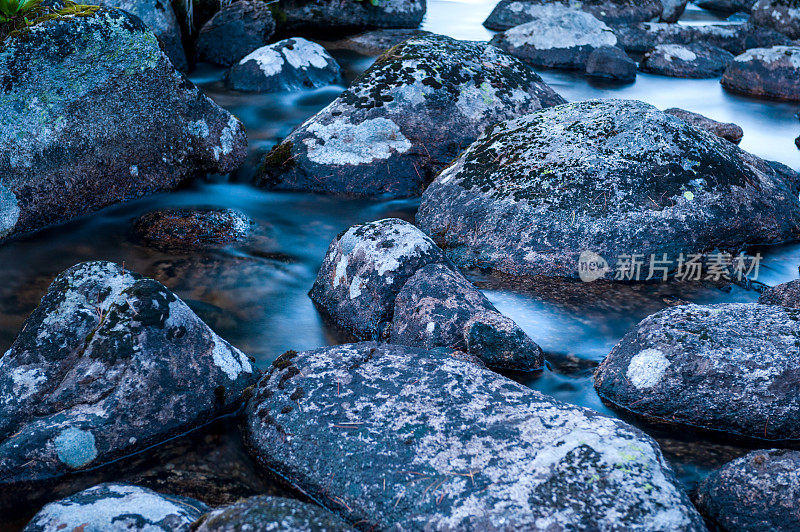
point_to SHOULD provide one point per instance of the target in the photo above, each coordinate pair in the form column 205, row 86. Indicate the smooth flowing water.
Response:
column 256, row 295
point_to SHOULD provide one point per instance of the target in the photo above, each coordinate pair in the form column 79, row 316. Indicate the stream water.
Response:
column 255, row 295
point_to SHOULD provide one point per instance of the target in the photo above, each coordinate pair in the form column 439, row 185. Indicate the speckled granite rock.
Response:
column 726, row 130
column 756, row 492
column 395, row 437
column 686, row 60
column 118, row 507
column 191, row 229
column 324, row 16
column 404, row 119
column 730, row 368
column 785, row 295
column 673, row 9
column 611, row 63
column 288, row 65
column 766, row 72
column 108, row 364
column 267, row 514
column 555, row 37
column 610, row 177
column 780, row 15
column 510, row 13
column 234, row 31
column 157, row 131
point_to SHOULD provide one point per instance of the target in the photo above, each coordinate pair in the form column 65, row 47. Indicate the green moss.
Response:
column 44, row 14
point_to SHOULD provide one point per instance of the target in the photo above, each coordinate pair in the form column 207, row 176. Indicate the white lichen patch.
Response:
column 26, row 381
column 791, row 54
column 558, row 27
column 232, row 361
column 269, row 61
column 343, row 143
column 226, row 138
column 198, row 128
column 9, row 211
column 305, row 54
column 675, row 51
column 75, row 447
column 646, row 368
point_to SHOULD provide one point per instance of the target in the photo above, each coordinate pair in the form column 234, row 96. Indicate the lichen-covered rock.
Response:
column 325, row 16
column 780, row 15
column 375, row 42
column 730, row 368
column 439, row 307
column 266, row 514
column 108, row 364
column 785, row 295
column 756, row 492
column 405, row 118
column 94, row 96
column 191, row 229
column 686, row 60
column 673, row 9
column 399, row 438
column 766, row 72
column 726, row 6
column 118, row 507
column 509, row 13
column 364, row 270
column 234, row 31
column 555, row 37
column 609, row 177
column 611, row 63
column 726, row 130
column 287, row 65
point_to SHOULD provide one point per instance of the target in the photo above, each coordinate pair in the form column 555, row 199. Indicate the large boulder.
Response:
column 94, row 96
column 118, row 507
column 405, row 118
column 109, row 363
column 726, row 130
column 288, row 65
column 758, row 491
column 509, row 13
column 268, row 514
column 400, row 438
column 322, row 17
column 686, row 61
column 234, row 31
column 766, row 72
column 780, row 15
column 730, row 368
column 610, row 177
column 556, row 37
column 611, row 63
column 785, row 295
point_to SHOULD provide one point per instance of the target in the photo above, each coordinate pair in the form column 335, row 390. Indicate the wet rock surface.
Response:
column 608, row 177
column 191, row 229
column 728, row 368
column 686, row 61
column 766, row 72
column 109, row 363
column 158, row 131
column 758, row 491
column 780, row 15
column 785, row 295
column 421, row 438
column 288, row 65
column 611, row 63
column 374, row 42
column 234, row 31
column 263, row 514
column 510, row 13
column 725, row 130
column 322, row 16
column 118, row 507
column 726, row 6
column 404, row 119
column 673, row 9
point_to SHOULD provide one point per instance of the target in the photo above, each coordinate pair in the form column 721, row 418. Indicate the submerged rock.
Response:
column 686, row 60
column 758, row 491
column 673, row 9
column 785, row 295
column 726, row 130
column 605, row 177
column 109, row 363
column 191, row 229
column 439, row 307
column 287, row 65
column 118, row 507
column 323, row 16
column 375, row 42
column 730, row 368
column 405, row 118
column 396, row 437
column 509, row 13
column 265, row 514
column 94, row 96
column 234, row 31
column 555, row 37
column 766, row 72
column 612, row 63
column 780, row 15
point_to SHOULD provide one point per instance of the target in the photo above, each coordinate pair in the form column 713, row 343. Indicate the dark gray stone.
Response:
column 772, row 73
column 288, row 65
column 730, row 368
column 686, row 61
column 393, row 437
column 780, row 15
column 118, row 507
column 612, row 63
column 673, row 9
column 157, row 130
column 726, row 6
column 404, row 119
column 785, row 295
column 756, row 492
column 726, row 130
column 268, row 514
column 374, row 42
column 322, row 17
column 609, row 177
column 109, row 363
column 234, row 31
column 510, row 13
column 191, row 229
